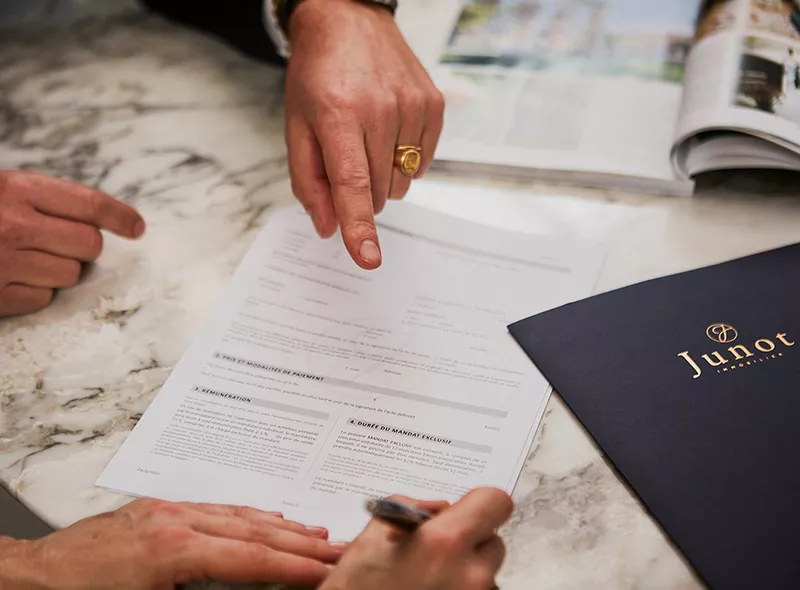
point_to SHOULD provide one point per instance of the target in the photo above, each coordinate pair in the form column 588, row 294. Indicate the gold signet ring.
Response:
column 408, row 158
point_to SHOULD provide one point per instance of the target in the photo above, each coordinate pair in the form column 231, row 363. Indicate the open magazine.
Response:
column 639, row 94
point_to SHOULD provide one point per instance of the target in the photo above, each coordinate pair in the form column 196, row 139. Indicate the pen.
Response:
column 406, row 518
column 403, row 517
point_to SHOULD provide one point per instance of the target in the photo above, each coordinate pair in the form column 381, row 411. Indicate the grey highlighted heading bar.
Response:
column 263, row 403
column 385, row 429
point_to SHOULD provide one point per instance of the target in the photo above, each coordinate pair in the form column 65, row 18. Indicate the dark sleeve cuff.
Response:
column 237, row 23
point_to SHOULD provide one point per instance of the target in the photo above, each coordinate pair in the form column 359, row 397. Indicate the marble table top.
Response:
column 191, row 134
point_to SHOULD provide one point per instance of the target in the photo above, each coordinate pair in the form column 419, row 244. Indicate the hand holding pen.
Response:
column 457, row 548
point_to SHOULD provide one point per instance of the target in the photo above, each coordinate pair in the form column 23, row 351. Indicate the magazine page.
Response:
column 742, row 75
column 589, row 86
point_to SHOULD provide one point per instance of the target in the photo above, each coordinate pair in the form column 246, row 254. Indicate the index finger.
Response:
column 69, row 200
column 345, row 155
column 432, row 507
column 477, row 516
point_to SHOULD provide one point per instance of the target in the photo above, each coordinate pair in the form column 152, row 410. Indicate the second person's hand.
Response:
column 355, row 91
column 458, row 549
column 48, row 229
column 154, row 545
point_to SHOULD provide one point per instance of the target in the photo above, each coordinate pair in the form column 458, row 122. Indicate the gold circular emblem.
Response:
column 722, row 333
column 408, row 159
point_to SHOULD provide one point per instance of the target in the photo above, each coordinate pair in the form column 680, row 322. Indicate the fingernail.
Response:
column 317, row 531
column 316, row 222
column 138, row 229
column 370, row 253
column 340, row 545
column 276, row 514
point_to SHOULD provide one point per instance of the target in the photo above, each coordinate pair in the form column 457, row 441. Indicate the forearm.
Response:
column 19, row 568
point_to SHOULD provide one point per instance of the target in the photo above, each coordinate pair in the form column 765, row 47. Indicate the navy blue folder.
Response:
column 691, row 386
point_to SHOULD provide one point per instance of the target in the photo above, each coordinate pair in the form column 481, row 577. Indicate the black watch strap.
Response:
column 390, row 4
column 286, row 8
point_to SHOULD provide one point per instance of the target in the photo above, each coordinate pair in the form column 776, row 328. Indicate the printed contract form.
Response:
column 315, row 385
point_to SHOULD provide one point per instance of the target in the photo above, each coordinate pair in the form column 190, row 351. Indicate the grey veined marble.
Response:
column 192, row 135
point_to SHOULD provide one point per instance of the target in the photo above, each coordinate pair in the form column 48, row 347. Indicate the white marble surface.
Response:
column 191, row 134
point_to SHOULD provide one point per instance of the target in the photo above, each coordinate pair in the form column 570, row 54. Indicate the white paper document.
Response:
column 316, row 385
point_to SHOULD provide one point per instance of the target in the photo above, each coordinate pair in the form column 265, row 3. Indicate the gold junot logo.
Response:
column 737, row 356
column 722, row 333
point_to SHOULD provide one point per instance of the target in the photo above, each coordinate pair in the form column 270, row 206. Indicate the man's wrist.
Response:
column 309, row 15
column 286, row 9
column 19, row 565
column 279, row 13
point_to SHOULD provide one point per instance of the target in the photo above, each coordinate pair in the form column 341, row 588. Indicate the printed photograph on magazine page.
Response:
column 769, row 77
